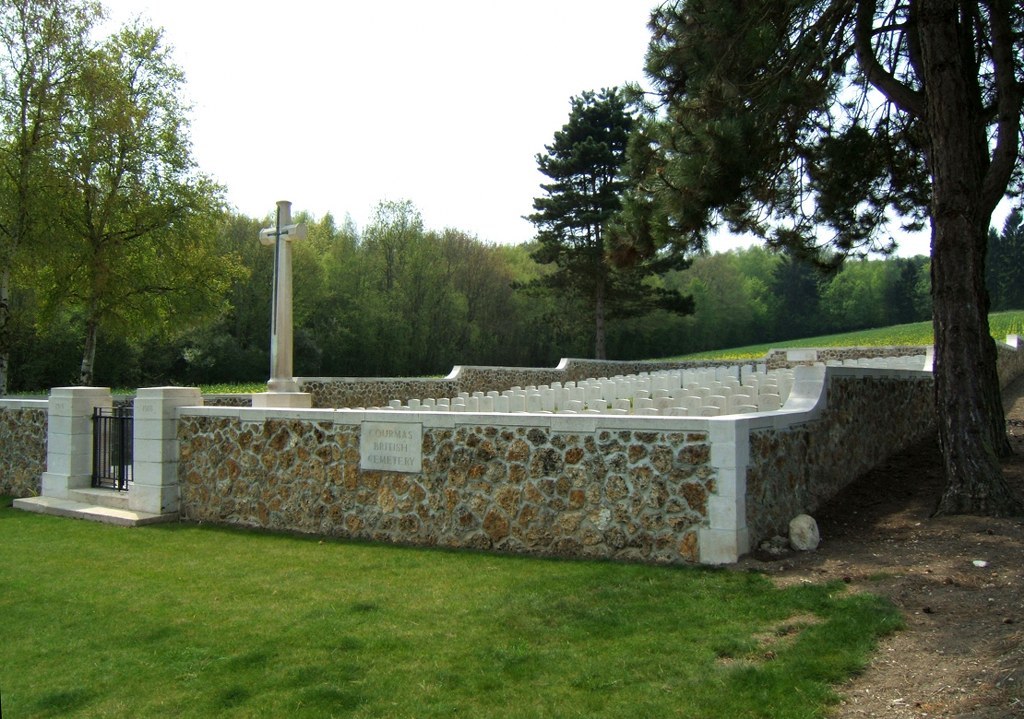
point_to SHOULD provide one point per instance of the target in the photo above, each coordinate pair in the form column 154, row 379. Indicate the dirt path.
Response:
column 958, row 580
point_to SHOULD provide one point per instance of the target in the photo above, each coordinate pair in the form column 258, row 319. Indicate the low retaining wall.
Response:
column 660, row 489
column 776, row 359
column 377, row 392
column 329, row 392
column 1009, row 360
column 23, row 426
column 865, row 416
column 560, row 485
column 656, row 489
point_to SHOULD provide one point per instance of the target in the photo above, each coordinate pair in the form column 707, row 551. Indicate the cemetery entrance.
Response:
column 112, row 435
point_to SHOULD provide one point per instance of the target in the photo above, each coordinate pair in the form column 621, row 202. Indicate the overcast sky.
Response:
column 339, row 105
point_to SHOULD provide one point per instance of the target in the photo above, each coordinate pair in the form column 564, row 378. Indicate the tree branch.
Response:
column 907, row 99
column 1010, row 97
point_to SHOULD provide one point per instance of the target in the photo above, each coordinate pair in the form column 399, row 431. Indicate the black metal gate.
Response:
column 112, row 447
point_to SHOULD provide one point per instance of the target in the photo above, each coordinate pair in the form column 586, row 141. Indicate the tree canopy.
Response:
column 812, row 124
column 43, row 46
column 106, row 222
column 139, row 217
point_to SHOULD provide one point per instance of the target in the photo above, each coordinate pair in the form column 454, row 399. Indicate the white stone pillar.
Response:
column 726, row 537
column 155, row 451
column 69, row 438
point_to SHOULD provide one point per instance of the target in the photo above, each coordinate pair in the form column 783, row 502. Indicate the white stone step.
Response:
column 92, row 512
column 110, row 498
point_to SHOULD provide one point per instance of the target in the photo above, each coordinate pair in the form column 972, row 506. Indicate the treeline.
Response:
column 754, row 296
column 398, row 299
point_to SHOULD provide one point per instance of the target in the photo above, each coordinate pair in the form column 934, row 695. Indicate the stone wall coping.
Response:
column 258, row 414
column 167, row 392
column 62, row 392
column 24, row 403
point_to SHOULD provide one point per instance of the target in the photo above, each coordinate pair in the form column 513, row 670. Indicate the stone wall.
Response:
column 868, row 416
column 329, row 392
column 777, row 359
column 22, row 446
column 377, row 392
column 372, row 391
column 657, row 489
column 549, row 486
column 1009, row 360
column 653, row 489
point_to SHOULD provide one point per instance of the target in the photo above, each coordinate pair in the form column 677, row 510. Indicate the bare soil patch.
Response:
column 959, row 582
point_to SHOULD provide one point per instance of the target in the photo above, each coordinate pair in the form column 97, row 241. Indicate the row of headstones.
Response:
column 705, row 392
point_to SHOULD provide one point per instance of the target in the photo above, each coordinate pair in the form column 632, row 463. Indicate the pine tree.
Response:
column 575, row 219
column 810, row 123
column 1004, row 263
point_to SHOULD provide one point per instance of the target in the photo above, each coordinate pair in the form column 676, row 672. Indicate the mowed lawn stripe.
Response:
column 194, row 621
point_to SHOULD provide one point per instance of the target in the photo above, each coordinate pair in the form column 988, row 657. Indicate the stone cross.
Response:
column 281, row 236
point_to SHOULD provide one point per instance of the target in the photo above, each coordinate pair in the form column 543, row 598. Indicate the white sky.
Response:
column 337, row 105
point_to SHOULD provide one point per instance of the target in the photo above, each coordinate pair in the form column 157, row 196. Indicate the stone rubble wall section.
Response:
column 1009, row 361
column 614, row 494
column 790, row 469
column 333, row 392
column 779, row 358
column 227, row 400
column 797, row 469
column 22, row 446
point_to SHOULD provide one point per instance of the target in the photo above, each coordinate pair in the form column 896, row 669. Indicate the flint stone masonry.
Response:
column 704, row 392
column 645, row 488
column 328, row 392
column 23, row 426
column 656, row 489
column 1009, row 360
column 377, row 392
column 865, row 416
column 777, row 359
column 562, row 488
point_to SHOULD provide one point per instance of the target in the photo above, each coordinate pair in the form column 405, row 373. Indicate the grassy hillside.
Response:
column 918, row 333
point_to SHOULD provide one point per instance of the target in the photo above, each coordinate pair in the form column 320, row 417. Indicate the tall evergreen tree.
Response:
column 771, row 122
column 901, row 301
column 574, row 219
column 1004, row 263
column 797, row 285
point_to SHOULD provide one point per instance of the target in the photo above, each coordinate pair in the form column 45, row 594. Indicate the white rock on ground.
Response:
column 803, row 533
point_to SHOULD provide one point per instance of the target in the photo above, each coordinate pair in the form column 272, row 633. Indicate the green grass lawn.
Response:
column 198, row 621
column 917, row 333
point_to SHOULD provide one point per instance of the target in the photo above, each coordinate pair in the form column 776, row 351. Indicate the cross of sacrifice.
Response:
column 281, row 236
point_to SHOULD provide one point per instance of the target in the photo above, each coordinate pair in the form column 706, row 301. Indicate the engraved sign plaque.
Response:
column 391, row 446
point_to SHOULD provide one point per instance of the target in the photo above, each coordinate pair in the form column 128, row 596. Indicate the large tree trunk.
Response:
column 89, row 352
column 599, row 333
column 5, row 327
column 972, row 431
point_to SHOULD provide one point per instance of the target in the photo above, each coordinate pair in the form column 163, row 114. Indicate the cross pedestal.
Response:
column 282, row 389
